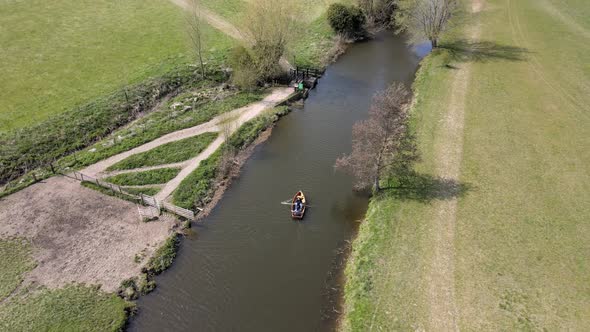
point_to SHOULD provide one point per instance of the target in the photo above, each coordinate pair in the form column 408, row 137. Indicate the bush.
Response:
column 348, row 21
column 245, row 75
column 164, row 256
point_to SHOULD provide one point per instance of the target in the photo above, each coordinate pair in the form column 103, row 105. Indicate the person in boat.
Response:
column 301, row 198
column 298, row 206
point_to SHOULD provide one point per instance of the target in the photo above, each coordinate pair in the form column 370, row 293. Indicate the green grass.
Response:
column 520, row 234
column 173, row 152
column 72, row 73
column 73, row 308
column 229, row 9
column 58, row 54
column 313, row 44
column 149, row 191
column 16, row 261
column 156, row 176
column 196, row 189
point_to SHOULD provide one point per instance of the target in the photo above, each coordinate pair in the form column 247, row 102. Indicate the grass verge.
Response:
column 518, row 248
column 156, row 176
column 173, row 152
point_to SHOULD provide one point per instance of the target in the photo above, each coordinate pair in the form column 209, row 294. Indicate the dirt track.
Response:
column 79, row 235
column 449, row 153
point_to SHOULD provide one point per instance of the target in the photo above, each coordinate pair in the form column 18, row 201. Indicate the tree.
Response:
column 424, row 19
column 377, row 142
column 348, row 21
column 379, row 12
column 195, row 32
column 270, row 25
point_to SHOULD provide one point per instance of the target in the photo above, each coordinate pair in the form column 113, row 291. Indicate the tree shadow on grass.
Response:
column 464, row 50
column 425, row 188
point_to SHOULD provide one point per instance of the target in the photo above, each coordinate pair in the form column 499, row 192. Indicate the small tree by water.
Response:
column 195, row 31
column 378, row 140
column 424, row 19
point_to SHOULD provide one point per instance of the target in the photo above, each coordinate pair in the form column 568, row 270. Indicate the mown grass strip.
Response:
column 173, row 152
column 156, row 176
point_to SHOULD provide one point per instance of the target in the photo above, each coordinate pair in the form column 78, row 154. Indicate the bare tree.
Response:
column 424, row 19
column 377, row 141
column 195, row 31
column 270, row 24
column 378, row 12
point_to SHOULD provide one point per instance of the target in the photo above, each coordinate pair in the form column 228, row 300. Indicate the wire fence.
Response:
column 144, row 199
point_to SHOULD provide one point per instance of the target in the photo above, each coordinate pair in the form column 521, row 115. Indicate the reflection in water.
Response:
column 249, row 267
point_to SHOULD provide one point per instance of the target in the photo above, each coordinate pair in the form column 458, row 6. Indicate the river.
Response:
column 248, row 266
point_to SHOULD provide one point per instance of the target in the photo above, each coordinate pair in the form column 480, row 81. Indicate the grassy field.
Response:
column 61, row 53
column 173, row 152
column 520, row 244
column 74, row 308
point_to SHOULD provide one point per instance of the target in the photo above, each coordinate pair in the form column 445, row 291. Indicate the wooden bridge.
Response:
column 306, row 75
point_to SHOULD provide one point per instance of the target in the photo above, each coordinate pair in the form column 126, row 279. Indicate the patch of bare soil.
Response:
column 80, row 235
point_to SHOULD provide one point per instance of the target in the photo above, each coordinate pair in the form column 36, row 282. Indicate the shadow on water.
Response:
column 464, row 50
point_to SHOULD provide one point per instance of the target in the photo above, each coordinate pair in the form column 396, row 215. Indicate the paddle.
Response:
column 289, row 202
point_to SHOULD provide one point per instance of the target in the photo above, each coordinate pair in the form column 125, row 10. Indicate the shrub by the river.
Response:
column 348, row 21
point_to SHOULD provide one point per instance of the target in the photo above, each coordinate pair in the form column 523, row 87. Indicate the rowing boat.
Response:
column 298, row 210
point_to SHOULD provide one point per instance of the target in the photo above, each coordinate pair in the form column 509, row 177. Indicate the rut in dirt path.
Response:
column 449, row 153
column 238, row 117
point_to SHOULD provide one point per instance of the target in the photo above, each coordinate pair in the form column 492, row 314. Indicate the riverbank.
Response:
column 490, row 234
column 112, row 248
column 218, row 270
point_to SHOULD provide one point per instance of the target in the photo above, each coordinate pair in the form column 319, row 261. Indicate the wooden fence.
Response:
column 144, row 199
column 188, row 214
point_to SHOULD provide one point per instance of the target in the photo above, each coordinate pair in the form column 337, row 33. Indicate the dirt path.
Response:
column 214, row 20
column 449, row 153
column 243, row 114
column 224, row 26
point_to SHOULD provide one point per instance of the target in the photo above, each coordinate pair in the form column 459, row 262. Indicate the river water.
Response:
column 249, row 267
